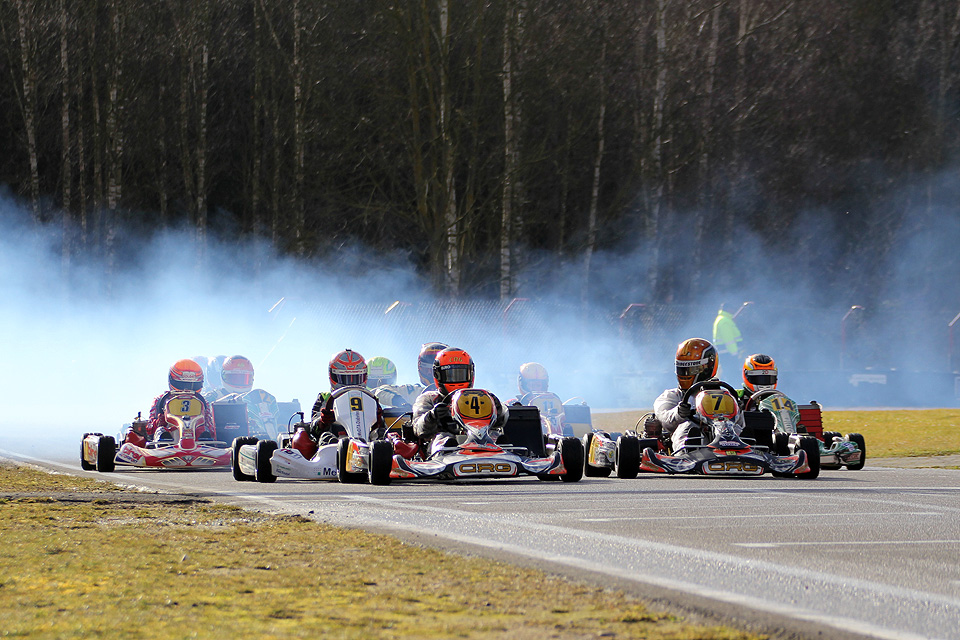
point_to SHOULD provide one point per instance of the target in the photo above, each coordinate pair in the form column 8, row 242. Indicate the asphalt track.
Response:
column 873, row 553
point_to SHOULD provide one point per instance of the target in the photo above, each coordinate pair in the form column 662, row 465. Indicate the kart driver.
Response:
column 236, row 376
column 532, row 379
column 185, row 376
column 404, row 395
column 759, row 373
column 453, row 369
column 381, row 371
column 696, row 361
column 346, row 369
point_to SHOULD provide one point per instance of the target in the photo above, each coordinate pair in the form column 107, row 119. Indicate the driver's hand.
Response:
column 685, row 411
column 327, row 416
column 441, row 413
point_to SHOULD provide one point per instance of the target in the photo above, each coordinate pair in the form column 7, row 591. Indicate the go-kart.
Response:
column 294, row 454
column 183, row 413
column 794, row 422
column 478, row 452
column 723, row 448
column 605, row 452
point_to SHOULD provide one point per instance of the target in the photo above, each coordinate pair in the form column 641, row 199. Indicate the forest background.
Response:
column 608, row 151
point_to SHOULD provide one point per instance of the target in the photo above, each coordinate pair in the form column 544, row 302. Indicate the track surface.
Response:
column 874, row 553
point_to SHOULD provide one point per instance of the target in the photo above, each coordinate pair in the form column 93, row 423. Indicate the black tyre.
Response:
column 571, row 452
column 106, row 454
column 857, row 439
column 811, row 447
column 343, row 446
column 589, row 470
column 381, row 461
column 828, row 437
column 781, row 443
column 238, row 475
column 86, row 466
column 265, row 449
column 628, row 457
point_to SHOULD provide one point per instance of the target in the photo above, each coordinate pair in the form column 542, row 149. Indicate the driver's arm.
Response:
column 665, row 408
column 424, row 421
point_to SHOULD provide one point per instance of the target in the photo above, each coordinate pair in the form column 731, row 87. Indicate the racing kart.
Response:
column 478, row 452
column 723, row 447
column 794, row 422
column 184, row 415
column 263, row 413
column 294, row 454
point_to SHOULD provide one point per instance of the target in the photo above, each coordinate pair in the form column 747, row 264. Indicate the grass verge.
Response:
column 81, row 558
column 896, row 433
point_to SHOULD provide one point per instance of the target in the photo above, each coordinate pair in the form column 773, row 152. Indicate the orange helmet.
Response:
column 185, row 375
column 452, row 370
column 237, row 374
column 696, row 362
column 759, row 373
column 533, row 378
column 347, row 368
column 428, row 353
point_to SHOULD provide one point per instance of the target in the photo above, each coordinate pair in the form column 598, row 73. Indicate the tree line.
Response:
column 486, row 137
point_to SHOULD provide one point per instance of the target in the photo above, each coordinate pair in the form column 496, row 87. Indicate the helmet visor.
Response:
column 181, row 385
column 350, row 379
column 765, row 379
column 690, row 368
column 237, row 378
column 455, row 373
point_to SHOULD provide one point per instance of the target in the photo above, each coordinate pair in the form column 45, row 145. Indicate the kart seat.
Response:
column 758, row 426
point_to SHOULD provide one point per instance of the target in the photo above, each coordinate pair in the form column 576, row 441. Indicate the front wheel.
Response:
column 571, row 453
column 811, row 447
column 106, row 454
column 346, row 477
column 86, row 466
column 381, row 462
column 589, row 470
column 264, row 452
column 239, row 475
column 858, row 440
column 628, row 457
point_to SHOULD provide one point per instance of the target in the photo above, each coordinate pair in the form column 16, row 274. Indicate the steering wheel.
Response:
column 762, row 395
column 342, row 390
column 706, row 384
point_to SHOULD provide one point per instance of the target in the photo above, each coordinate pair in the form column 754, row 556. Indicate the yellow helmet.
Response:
column 533, row 378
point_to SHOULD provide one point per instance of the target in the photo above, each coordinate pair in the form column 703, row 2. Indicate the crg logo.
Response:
column 484, row 468
column 732, row 466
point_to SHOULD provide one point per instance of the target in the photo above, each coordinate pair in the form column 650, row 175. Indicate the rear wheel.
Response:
column 239, row 475
column 589, row 470
column 264, row 452
column 628, row 457
column 811, row 447
column 828, row 437
column 106, row 454
column 343, row 447
column 571, row 453
column 857, row 439
column 86, row 466
column 381, row 461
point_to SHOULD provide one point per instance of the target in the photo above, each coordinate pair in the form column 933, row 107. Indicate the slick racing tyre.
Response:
column 857, row 439
column 589, row 470
column 343, row 447
column 264, row 451
column 381, row 461
column 86, row 466
column 239, row 475
column 628, row 457
column 106, row 454
column 811, row 447
column 571, row 452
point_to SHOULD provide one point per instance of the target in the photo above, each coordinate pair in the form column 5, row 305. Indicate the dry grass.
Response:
column 914, row 432
column 98, row 566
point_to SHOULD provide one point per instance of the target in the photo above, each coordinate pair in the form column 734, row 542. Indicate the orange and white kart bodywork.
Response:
column 184, row 415
column 478, row 453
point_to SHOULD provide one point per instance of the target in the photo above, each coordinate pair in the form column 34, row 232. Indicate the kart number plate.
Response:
column 185, row 407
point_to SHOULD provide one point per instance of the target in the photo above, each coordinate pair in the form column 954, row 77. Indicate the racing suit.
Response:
column 398, row 395
column 427, row 424
column 666, row 409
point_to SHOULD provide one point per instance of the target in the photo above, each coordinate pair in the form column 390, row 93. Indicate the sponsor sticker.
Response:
column 482, row 468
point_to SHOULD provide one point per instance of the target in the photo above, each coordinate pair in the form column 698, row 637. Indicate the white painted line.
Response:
column 771, row 545
column 735, row 516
